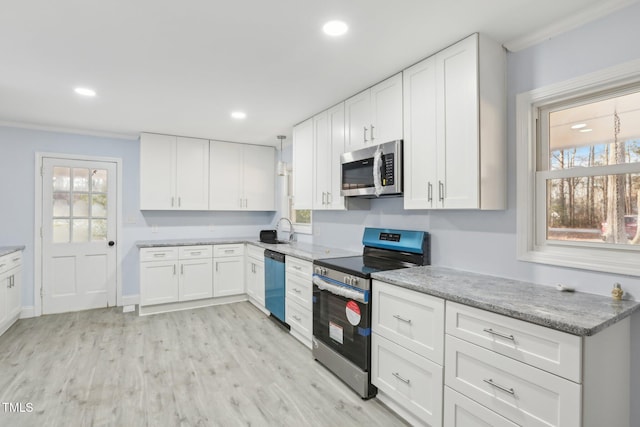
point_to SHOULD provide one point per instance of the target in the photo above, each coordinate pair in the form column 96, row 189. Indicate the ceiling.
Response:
column 182, row 67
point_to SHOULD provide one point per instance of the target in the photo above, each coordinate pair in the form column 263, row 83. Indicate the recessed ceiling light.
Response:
column 586, row 130
column 335, row 28
column 84, row 91
column 579, row 126
column 239, row 115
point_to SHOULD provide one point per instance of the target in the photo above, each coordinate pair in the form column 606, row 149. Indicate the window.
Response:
column 579, row 173
column 301, row 218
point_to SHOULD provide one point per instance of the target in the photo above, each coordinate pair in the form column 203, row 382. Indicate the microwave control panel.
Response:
column 387, row 175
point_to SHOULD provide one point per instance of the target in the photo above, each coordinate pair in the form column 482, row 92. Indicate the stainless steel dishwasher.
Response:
column 274, row 283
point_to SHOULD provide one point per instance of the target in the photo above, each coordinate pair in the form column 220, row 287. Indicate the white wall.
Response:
column 485, row 242
column 17, row 214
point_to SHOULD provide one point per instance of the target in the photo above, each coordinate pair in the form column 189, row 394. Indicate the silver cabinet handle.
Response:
column 179, row 201
column 372, row 138
column 241, row 203
column 365, row 134
column 500, row 387
column 499, row 334
column 159, row 255
column 217, row 266
column 441, row 191
column 15, row 259
column 398, row 376
column 196, row 253
column 324, row 195
column 246, row 203
column 402, row 319
column 296, row 290
column 297, row 267
column 173, row 200
column 329, row 199
column 429, row 192
column 174, row 269
column 182, row 269
column 297, row 317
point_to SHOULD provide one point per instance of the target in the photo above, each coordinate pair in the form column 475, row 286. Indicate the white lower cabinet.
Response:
column 172, row 274
column 410, row 380
column 228, row 270
column 407, row 351
column 460, row 411
column 298, row 298
column 254, row 276
column 10, row 289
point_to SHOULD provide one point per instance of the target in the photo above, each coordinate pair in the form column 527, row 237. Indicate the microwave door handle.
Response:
column 323, row 285
column 378, row 164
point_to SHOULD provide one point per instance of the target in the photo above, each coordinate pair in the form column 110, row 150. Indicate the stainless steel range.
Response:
column 342, row 301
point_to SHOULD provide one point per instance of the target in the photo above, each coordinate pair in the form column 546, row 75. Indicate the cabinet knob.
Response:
column 111, row 243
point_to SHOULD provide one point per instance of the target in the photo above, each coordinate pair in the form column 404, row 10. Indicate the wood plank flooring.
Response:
column 225, row 365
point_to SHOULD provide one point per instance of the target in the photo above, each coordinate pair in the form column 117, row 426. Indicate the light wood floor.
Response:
column 218, row 366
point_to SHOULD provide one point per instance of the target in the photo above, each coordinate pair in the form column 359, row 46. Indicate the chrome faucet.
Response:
column 291, row 232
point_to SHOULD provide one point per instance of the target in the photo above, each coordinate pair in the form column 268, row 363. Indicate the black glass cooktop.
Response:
column 359, row 265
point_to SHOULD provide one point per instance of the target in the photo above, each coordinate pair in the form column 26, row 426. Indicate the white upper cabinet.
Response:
column 454, row 128
column 174, row 173
column 374, row 116
column 303, row 165
column 328, row 145
column 242, row 177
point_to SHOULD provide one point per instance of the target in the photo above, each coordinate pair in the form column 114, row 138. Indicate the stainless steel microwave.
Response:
column 373, row 171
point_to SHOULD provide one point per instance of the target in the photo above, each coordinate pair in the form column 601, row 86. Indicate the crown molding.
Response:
column 62, row 129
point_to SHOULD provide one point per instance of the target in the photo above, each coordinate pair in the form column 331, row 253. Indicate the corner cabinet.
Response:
column 242, row 177
column 303, row 165
column 10, row 289
column 374, row 116
column 454, row 128
column 174, row 173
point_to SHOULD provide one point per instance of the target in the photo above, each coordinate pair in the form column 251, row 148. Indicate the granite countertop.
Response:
column 577, row 313
column 5, row 250
column 306, row 251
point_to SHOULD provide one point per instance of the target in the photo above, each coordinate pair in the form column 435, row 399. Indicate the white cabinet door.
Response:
column 420, row 142
column 321, row 157
column 335, row 116
column 358, row 120
column 303, row 165
column 228, row 276
column 259, row 283
column 457, row 125
column 14, row 305
column 225, row 179
column 410, row 380
column 460, row 411
column 157, row 171
column 259, row 178
column 196, row 279
column 250, row 277
column 5, row 283
column 192, row 174
column 158, row 282
column 386, row 111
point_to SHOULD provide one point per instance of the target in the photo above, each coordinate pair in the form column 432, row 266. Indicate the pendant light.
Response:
column 282, row 166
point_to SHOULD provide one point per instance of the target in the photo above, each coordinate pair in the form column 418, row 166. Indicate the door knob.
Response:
column 111, row 243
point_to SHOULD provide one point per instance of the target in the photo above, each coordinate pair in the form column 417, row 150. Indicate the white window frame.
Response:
column 531, row 213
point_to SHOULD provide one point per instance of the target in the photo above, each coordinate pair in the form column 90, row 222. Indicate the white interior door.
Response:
column 79, row 218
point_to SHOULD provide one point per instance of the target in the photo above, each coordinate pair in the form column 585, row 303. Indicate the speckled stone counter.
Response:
column 304, row 251
column 577, row 313
column 5, row 250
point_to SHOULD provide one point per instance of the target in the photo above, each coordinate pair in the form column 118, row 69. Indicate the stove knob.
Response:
column 324, row 271
column 354, row 281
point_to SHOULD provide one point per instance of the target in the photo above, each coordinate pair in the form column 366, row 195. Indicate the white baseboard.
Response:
column 129, row 300
column 27, row 312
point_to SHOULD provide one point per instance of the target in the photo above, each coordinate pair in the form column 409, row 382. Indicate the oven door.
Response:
column 342, row 320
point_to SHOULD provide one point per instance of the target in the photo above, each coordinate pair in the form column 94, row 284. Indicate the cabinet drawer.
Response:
column 195, row 252
column 220, row 251
column 412, row 319
column 410, row 380
column 460, row 411
column 517, row 391
column 299, row 290
column 255, row 251
column 10, row 261
column 299, row 267
column 158, row 254
column 554, row 351
column 300, row 319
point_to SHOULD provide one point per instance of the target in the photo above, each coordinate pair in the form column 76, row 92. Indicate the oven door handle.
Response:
column 323, row 285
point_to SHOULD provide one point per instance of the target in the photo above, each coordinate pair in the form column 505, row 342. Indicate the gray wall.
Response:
column 17, row 216
column 485, row 242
